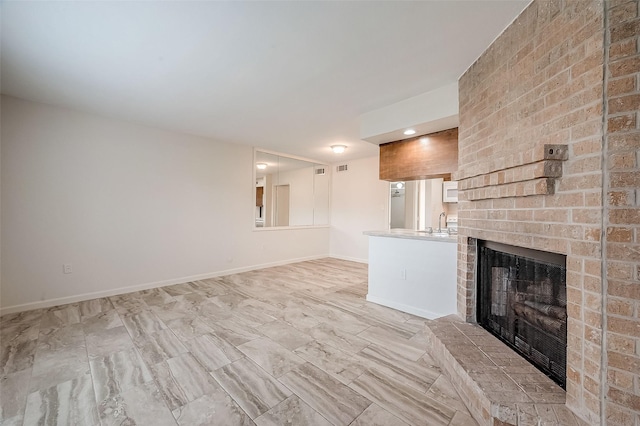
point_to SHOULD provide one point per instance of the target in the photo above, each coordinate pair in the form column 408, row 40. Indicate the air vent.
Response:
column 342, row 168
column 320, row 171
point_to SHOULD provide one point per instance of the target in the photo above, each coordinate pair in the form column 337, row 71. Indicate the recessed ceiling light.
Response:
column 338, row 149
column 261, row 166
column 399, row 185
column 409, row 132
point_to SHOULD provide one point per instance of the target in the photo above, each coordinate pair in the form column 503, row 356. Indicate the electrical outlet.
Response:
column 403, row 274
column 67, row 268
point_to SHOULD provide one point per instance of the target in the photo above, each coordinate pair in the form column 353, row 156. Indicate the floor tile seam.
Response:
column 395, row 335
column 93, row 383
column 177, row 382
column 173, row 379
column 236, row 402
column 393, row 412
column 259, row 367
column 422, row 352
column 433, row 383
column 365, row 409
column 375, row 345
column 424, row 393
column 303, row 401
column 284, row 400
column 383, row 409
column 379, row 371
column 347, row 386
column 27, row 393
column 322, row 369
column 146, row 365
column 9, row 350
column 364, row 338
column 322, row 320
column 298, row 347
column 390, row 324
column 310, row 405
column 35, row 355
column 340, row 308
column 151, row 380
column 124, row 324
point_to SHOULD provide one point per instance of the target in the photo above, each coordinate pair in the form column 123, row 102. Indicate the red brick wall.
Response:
column 537, row 89
column 621, row 213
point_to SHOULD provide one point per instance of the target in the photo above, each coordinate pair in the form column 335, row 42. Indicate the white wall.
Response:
column 322, row 197
column 433, row 203
column 128, row 206
column 359, row 202
column 300, row 183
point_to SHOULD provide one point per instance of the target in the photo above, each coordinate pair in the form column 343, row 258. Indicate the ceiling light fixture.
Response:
column 261, row 166
column 338, row 149
column 409, row 132
column 399, row 185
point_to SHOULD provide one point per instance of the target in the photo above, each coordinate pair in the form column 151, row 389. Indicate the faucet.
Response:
column 443, row 214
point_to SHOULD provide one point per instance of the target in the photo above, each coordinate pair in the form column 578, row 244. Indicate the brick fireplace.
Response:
column 522, row 300
column 548, row 160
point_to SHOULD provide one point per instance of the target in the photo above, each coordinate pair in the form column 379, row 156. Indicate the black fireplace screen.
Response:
column 522, row 299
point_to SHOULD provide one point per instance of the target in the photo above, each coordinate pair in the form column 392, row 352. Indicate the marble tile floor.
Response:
column 288, row 345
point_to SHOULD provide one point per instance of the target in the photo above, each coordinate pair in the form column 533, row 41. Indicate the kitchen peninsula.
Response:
column 413, row 271
column 410, row 270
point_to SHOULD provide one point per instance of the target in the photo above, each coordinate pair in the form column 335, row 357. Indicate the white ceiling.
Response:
column 287, row 76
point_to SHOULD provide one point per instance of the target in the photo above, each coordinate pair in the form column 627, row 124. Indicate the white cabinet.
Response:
column 417, row 276
column 450, row 192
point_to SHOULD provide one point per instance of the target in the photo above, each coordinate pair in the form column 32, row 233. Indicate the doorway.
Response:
column 397, row 209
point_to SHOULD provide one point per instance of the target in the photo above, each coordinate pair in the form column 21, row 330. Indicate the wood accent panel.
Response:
column 259, row 193
column 423, row 157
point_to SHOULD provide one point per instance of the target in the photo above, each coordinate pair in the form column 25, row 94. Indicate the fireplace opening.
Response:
column 522, row 300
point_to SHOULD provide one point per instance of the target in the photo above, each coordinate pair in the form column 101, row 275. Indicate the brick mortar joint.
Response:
column 538, row 157
column 623, row 113
column 604, row 360
column 536, row 176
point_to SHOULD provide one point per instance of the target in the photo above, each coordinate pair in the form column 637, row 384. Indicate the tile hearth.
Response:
column 499, row 386
column 295, row 344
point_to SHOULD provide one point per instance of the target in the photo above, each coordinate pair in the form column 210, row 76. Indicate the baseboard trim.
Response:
column 351, row 259
column 146, row 286
column 405, row 308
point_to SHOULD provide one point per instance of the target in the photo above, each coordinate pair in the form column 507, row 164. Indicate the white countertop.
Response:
column 411, row 234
